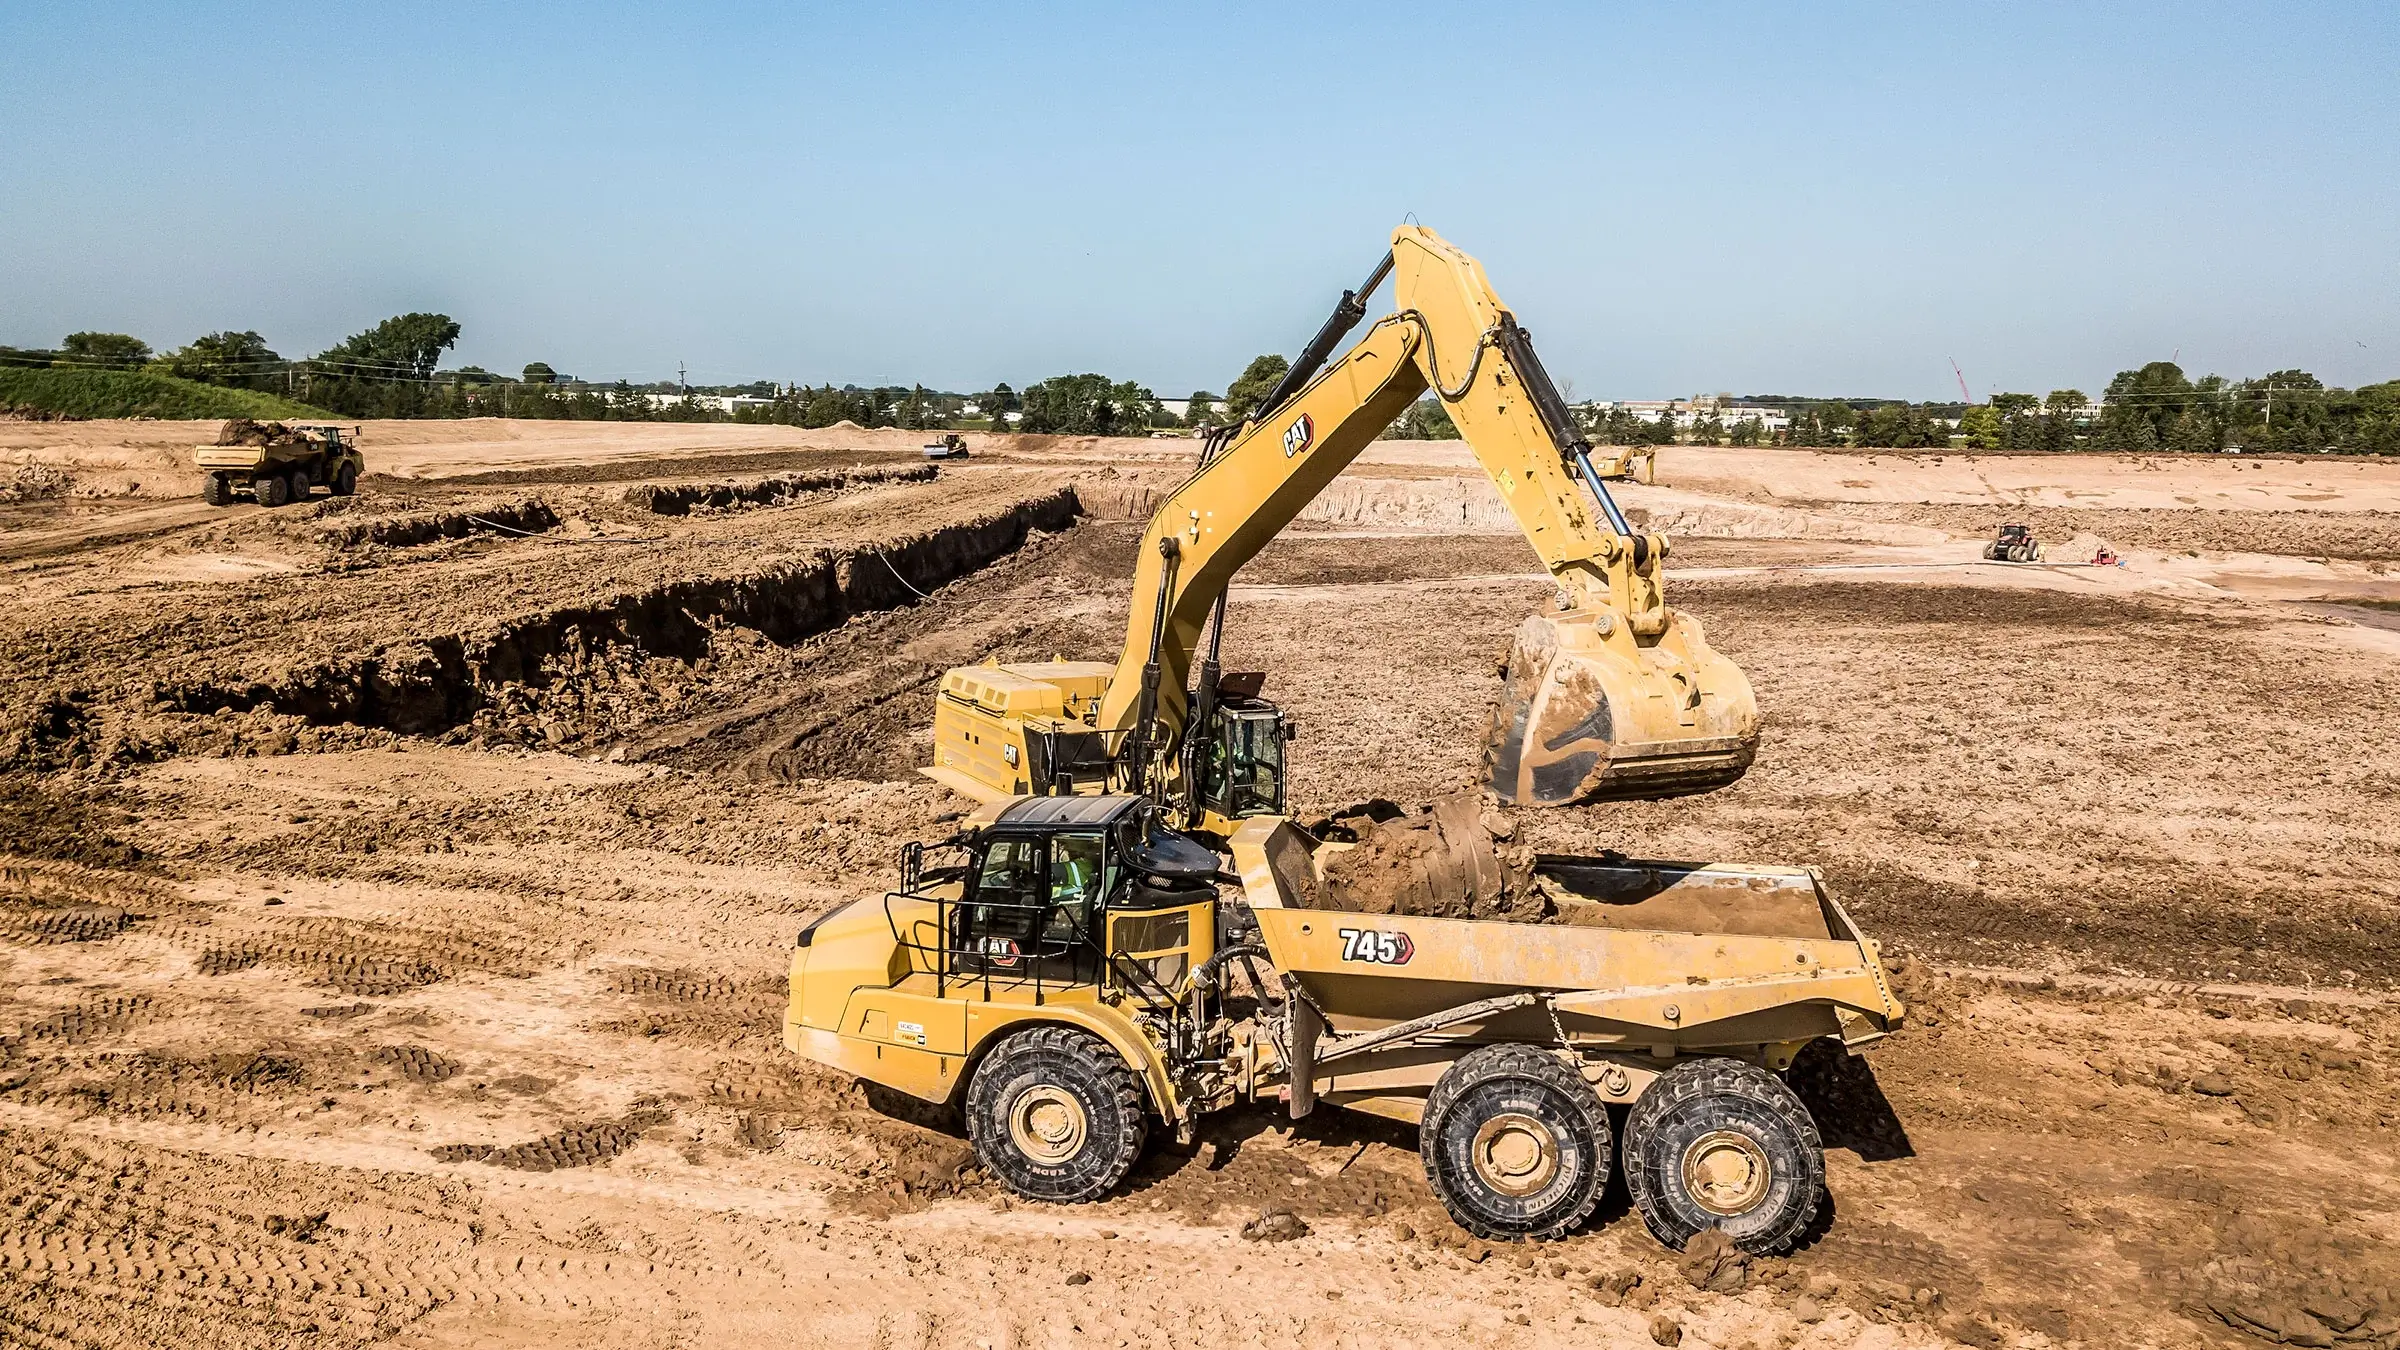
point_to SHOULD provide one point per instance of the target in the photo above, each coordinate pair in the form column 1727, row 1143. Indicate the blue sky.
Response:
column 1757, row 198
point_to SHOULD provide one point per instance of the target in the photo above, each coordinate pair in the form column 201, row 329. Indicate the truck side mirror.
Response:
column 1290, row 732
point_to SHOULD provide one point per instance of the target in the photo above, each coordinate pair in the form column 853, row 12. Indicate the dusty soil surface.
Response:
column 397, row 895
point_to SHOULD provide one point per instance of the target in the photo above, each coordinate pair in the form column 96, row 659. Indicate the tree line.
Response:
column 392, row 370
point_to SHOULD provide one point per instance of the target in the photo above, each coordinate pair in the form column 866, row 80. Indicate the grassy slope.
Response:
column 132, row 393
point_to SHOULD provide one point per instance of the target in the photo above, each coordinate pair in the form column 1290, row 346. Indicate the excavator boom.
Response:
column 1610, row 695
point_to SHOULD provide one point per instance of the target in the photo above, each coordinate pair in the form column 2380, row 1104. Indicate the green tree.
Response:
column 1749, row 429
column 1980, row 425
column 1258, row 380
column 2140, row 407
column 1425, row 420
column 1201, row 411
column 407, row 346
column 1087, row 405
column 539, row 372
column 115, row 351
column 224, row 358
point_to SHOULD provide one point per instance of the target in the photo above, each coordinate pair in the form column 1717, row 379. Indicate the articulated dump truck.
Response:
column 1071, row 973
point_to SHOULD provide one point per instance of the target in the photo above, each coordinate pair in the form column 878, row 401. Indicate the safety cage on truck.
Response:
column 1071, row 892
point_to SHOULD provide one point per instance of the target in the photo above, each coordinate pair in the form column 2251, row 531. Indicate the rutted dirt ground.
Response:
column 392, row 933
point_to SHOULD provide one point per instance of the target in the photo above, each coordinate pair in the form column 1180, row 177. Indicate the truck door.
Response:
column 1028, row 915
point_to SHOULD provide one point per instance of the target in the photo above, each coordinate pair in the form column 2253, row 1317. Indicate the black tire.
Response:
column 271, row 490
column 299, row 479
column 1991, row 552
column 1056, row 1115
column 1716, row 1143
column 217, row 490
column 345, row 482
column 1515, row 1143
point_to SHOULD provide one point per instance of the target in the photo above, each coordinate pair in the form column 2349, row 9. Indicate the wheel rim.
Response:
column 1047, row 1124
column 1726, row 1172
column 1514, row 1154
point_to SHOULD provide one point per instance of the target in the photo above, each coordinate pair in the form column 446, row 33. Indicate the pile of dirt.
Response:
column 35, row 482
column 1447, row 859
column 264, row 435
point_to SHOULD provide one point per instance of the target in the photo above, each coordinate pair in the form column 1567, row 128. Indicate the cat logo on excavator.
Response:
column 1298, row 435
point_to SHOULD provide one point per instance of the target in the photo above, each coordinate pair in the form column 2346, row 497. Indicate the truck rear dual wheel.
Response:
column 1515, row 1143
column 1055, row 1114
column 217, row 490
column 271, row 490
column 1717, row 1143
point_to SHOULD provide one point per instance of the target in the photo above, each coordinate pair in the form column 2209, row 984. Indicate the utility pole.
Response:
column 682, row 379
column 2270, row 403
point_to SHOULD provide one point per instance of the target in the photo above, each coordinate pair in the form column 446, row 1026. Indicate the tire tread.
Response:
column 1507, row 1060
column 1719, row 1076
column 1124, row 1091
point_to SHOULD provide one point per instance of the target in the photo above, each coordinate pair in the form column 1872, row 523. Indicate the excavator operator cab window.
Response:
column 1245, row 760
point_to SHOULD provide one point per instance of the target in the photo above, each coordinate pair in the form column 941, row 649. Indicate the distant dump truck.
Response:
column 277, row 462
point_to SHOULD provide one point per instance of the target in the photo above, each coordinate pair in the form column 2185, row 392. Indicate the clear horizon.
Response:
column 1836, row 201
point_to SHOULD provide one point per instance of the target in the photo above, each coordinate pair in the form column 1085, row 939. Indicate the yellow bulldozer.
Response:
column 1610, row 695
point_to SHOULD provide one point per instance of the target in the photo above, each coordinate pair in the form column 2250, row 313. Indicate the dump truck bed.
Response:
column 1662, row 958
column 241, row 456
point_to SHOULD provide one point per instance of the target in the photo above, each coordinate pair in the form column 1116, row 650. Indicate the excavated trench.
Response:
column 528, row 515
column 681, row 499
column 435, row 684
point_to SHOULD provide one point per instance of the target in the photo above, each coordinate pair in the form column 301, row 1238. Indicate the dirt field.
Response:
column 398, row 892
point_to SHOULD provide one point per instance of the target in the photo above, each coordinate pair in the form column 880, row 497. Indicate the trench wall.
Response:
column 432, row 684
column 529, row 515
column 680, row 499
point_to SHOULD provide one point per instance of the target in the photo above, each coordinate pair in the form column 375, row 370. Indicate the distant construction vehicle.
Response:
column 951, row 446
column 276, row 463
column 2015, row 543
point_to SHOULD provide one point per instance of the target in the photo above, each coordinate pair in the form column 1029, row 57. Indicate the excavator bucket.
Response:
column 1590, row 713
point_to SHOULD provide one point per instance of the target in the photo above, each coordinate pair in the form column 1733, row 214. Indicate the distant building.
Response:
column 1691, row 412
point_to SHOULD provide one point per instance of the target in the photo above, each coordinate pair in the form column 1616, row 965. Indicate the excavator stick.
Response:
column 1580, row 720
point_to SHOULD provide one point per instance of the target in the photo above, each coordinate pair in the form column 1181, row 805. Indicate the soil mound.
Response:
column 1447, row 859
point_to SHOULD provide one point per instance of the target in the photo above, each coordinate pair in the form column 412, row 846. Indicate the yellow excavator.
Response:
column 1610, row 695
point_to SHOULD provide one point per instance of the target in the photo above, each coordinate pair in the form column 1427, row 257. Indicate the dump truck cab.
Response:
column 1082, row 914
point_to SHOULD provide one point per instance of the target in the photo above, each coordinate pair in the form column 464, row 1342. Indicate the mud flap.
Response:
column 1301, row 1059
column 1581, row 721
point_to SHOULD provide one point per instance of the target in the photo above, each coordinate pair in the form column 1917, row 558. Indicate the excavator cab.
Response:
column 1241, row 773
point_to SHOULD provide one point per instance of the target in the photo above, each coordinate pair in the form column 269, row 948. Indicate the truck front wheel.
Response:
column 345, row 481
column 1515, row 1143
column 1056, row 1115
column 1717, row 1143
